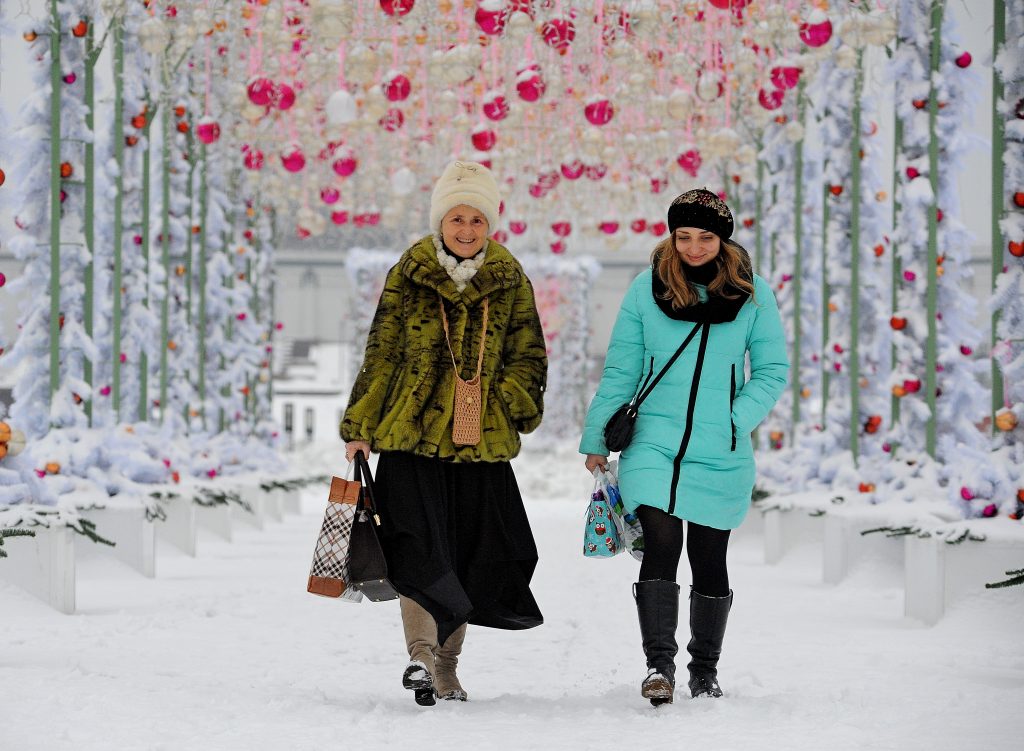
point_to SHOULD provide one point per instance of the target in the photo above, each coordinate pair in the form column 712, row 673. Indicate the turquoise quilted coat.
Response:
column 691, row 453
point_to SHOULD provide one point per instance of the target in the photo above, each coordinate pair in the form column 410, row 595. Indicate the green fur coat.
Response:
column 402, row 399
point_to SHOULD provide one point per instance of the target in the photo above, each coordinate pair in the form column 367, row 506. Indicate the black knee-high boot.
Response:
column 708, row 616
column 657, row 605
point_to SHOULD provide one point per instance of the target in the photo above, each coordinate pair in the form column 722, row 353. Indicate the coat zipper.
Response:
column 732, row 398
column 677, row 464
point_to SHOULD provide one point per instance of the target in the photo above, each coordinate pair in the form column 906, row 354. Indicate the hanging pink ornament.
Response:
column 491, row 22
column 537, row 191
column 500, row 237
column 658, row 229
column 207, row 130
column 392, row 120
column 609, row 228
column 294, row 160
column 816, row 30
column 339, row 217
column 595, row 171
column 562, row 229
column 3, row 279
column 105, row 391
column 242, row 316
column 517, row 228
column 658, row 184
column 964, row 60
column 726, row 4
column 573, row 169
column 253, row 158
column 912, row 385
column 373, row 218
column 530, row 84
column 785, row 76
column 771, row 100
column 495, row 106
column 690, row 161
column 302, row 233
column 396, row 87
column 345, row 166
column 964, row 349
column 69, row 78
column 329, row 195
column 397, row 7
column 558, row 247
column 261, row 91
column 483, row 138
column 909, row 276
column 966, row 493
column 638, row 225
column 285, row 97
column 599, row 111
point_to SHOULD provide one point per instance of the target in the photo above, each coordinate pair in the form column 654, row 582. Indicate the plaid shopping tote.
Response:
column 329, row 574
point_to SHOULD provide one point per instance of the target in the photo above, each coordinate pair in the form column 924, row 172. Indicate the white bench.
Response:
column 133, row 535
column 784, row 529
column 180, row 527
column 845, row 544
column 216, row 518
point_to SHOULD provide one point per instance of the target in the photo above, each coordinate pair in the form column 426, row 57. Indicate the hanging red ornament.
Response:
column 3, row 177
column 836, row 190
column 966, row 493
column 912, row 173
column 339, row 217
column 530, row 84
column 483, row 138
column 658, row 228
column 595, row 171
column 397, row 7
column 558, row 247
column 69, row 78
column 517, row 228
column 690, row 161
column 329, row 195
column 66, row 170
column 558, row 33
column 207, row 130
column 500, row 237
column 771, row 100
column 491, row 22
column 548, row 180
column 393, row 120
column 3, row 279
column 638, row 225
column 562, row 229
column 253, row 158
column 1018, row 197
column 80, row 29
column 495, row 106
column 261, row 91
column 537, row 190
column 817, row 30
column 898, row 323
column 573, row 169
column 599, row 111
column 294, row 160
column 911, row 385
column 1016, row 249
column 966, row 351
column 345, row 166
column 964, row 60
column 609, row 228
column 396, row 87
column 785, row 76
column 284, row 96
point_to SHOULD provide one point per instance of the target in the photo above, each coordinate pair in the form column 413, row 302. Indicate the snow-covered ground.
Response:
column 228, row 651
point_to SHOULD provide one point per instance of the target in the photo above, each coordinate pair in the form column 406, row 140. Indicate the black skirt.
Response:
column 458, row 541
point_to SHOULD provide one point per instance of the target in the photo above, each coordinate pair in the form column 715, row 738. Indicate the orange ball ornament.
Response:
column 899, row 391
column 66, row 170
column 52, row 468
column 30, row 36
column 5, row 432
column 80, row 29
column 3, row 450
column 1006, row 420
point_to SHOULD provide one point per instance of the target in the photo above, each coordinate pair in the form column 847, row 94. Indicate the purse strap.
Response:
column 367, row 496
column 483, row 337
column 645, row 392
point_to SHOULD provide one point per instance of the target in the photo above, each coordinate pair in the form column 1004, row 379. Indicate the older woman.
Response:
column 456, row 311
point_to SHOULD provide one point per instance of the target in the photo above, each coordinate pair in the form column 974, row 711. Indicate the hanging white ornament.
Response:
column 361, row 65
column 154, row 35
column 403, row 181
column 680, row 104
column 340, row 107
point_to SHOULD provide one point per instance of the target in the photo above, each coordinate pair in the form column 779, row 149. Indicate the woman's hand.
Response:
column 596, row 460
column 354, row 447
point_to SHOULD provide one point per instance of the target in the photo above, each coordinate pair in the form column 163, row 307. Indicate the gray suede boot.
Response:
column 446, row 682
column 421, row 641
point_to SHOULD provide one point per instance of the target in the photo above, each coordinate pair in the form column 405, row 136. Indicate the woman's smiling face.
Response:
column 464, row 231
column 697, row 246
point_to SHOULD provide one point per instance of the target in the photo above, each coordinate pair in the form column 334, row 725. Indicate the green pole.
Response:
column 998, row 191
column 55, row 188
column 165, row 232
column 798, row 225
column 931, row 353
column 855, row 179
column 771, row 241
column 897, row 269
column 188, row 230
column 91, row 56
column 143, row 358
column 118, row 31
column 201, row 326
column 826, row 298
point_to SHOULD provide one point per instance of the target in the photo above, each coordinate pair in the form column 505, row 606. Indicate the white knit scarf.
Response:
column 460, row 271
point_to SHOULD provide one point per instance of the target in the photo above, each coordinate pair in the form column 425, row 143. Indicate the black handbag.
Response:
column 618, row 431
column 368, row 570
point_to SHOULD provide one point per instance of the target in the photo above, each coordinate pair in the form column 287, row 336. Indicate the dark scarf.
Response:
column 717, row 309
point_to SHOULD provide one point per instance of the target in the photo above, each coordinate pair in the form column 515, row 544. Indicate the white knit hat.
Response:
column 466, row 183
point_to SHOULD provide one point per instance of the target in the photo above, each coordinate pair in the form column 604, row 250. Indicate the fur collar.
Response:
column 500, row 270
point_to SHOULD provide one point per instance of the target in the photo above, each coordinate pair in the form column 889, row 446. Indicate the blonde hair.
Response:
column 733, row 266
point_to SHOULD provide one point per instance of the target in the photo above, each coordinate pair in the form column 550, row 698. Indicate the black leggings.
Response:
column 663, row 545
